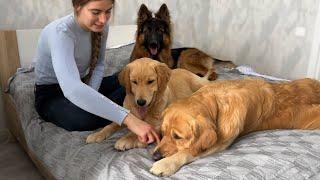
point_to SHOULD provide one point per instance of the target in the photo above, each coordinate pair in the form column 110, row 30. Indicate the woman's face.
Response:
column 94, row 15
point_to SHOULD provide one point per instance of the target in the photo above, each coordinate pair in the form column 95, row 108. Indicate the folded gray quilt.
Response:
column 276, row 154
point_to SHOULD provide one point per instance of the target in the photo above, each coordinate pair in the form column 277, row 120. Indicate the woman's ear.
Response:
column 163, row 76
column 77, row 9
column 124, row 79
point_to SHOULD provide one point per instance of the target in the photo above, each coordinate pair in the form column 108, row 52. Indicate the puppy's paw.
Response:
column 164, row 167
column 95, row 137
column 128, row 142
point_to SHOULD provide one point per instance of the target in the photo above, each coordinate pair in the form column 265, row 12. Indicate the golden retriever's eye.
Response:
column 134, row 82
column 176, row 137
column 150, row 81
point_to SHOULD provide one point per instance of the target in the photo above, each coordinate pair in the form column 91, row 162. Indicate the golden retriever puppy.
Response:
column 214, row 116
column 150, row 87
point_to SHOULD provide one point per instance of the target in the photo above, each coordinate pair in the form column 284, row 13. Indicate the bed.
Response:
column 59, row 154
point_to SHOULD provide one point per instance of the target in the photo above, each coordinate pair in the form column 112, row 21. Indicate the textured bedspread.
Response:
column 277, row 154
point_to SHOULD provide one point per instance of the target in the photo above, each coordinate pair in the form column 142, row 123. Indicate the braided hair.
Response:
column 95, row 51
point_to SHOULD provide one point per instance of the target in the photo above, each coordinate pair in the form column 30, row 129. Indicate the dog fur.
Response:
column 213, row 117
column 150, row 87
column 154, row 40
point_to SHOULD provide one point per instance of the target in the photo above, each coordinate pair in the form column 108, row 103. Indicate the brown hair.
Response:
column 95, row 40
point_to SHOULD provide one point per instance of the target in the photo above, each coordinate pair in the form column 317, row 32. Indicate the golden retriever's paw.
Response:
column 164, row 167
column 95, row 137
column 126, row 143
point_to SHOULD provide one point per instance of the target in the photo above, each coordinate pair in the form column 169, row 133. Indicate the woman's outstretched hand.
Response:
column 145, row 132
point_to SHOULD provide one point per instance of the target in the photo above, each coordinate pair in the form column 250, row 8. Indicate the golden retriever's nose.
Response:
column 157, row 156
column 141, row 102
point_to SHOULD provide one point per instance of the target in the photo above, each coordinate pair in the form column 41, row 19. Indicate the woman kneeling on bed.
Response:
column 70, row 90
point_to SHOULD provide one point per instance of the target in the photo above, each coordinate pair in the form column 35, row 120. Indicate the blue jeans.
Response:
column 53, row 107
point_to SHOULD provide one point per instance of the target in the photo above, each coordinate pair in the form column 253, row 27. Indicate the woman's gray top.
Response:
column 63, row 56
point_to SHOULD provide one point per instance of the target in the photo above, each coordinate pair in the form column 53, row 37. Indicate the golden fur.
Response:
column 213, row 117
column 154, row 84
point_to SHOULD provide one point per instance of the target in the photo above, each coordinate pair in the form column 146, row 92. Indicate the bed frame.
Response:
column 9, row 62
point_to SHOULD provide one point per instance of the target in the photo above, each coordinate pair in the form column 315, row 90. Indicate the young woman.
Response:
column 70, row 90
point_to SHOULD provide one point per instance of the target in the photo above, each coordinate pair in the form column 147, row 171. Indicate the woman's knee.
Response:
column 72, row 118
column 66, row 115
column 79, row 123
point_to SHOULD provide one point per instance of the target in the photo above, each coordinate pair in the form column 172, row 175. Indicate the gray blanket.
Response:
column 276, row 154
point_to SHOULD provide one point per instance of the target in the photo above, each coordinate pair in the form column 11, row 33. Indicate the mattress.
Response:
column 274, row 154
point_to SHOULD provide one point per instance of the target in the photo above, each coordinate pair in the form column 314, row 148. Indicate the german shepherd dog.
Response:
column 154, row 40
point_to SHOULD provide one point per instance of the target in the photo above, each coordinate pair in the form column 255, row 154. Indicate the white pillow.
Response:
column 28, row 40
column 27, row 45
column 121, row 35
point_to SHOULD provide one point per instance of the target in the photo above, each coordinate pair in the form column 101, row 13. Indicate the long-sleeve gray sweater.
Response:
column 63, row 56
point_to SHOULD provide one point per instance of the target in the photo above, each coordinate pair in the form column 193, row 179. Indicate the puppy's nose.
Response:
column 141, row 102
column 157, row 156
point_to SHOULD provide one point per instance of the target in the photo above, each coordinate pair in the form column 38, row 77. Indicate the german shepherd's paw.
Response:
column 129, row 141
column 164, row 167
column 96, row 137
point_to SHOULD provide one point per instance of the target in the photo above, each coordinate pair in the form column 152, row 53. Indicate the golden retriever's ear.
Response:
column 205, row 135
column 163, row 76
column 124, row 79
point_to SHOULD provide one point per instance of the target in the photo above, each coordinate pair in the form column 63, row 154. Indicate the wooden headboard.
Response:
column 9, row 62
column 9, row 56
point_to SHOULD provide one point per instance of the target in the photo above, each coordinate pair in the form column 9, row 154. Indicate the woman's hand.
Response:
column 145, row 132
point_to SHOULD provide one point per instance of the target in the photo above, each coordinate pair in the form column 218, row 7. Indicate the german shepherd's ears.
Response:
column 143, row 14
column 163, row 13
column 163, row 74
column 124, row 79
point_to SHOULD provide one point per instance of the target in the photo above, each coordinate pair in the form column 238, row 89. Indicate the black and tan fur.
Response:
column 154, row 40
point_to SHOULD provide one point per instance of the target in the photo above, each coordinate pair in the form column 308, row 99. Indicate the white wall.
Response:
column 17, row 14
column 278, row 38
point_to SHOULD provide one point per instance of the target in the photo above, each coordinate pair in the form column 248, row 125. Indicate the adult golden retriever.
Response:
column 150, row 87
column 214, row 116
